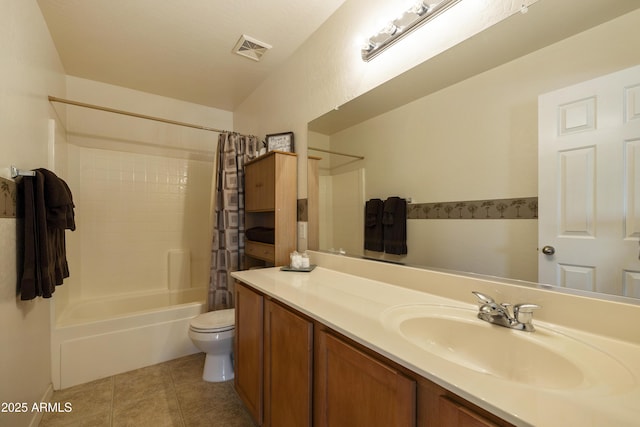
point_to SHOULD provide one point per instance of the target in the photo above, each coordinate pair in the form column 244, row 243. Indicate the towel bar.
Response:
column 15, row 172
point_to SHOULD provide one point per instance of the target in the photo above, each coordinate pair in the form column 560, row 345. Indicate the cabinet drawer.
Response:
column 453, row 414
column 259, row 250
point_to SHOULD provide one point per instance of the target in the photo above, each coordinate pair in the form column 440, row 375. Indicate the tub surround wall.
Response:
column 30, row 70
column 142, row 191
column 135, row 211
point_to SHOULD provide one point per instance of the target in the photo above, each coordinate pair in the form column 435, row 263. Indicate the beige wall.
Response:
column 29, row 71
column 327, row 70
column 477, row 140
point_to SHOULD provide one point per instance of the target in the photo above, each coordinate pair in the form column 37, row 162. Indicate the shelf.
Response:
column 263, row 251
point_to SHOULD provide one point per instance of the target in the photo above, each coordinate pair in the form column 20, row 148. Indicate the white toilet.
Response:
column 213, row 333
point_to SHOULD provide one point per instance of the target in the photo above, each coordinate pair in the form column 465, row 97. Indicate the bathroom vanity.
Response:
column 334, row 348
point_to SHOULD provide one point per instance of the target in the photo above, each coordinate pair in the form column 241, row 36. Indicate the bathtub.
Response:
column 97, row 338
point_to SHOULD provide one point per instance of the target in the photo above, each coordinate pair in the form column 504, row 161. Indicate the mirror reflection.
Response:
column 460, row 150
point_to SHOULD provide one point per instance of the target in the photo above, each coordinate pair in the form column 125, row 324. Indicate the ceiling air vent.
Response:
column 250, row 48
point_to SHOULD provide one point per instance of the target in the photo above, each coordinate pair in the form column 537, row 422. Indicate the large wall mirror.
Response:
column 458, row 137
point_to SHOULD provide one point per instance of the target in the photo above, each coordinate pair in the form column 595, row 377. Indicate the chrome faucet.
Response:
column 520, row 317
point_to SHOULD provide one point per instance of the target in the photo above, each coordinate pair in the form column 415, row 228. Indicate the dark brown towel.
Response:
column 58, row 201
column 373, row 230
column 261, row 234
column 48, row 211
column 28, row 282
column 394, row 219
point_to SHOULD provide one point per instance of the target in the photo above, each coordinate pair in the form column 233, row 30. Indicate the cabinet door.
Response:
column 288, row 367
column 354, row 389
column 248, row 378
column 438, row 407
column 453, row 414
column 259, row 184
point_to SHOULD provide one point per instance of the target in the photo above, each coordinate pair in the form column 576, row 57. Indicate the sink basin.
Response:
column 543, row 358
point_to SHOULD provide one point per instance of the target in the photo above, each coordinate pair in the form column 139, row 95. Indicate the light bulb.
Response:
column 390, row 29
column 419, row 8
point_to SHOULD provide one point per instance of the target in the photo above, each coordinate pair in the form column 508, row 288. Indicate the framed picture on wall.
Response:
column 280, row 142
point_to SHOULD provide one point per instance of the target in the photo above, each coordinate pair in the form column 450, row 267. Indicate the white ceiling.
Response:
column 180, row 49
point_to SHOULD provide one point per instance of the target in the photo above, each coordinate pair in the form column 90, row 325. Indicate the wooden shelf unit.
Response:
column 271, row 201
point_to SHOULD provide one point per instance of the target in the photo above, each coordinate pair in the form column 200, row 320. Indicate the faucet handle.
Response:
column 484, row 299
column 508, row 309
column 524, row 314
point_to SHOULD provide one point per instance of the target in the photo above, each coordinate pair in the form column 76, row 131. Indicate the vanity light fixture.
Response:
column 422, row 11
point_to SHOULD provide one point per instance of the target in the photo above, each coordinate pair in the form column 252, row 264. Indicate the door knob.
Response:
column 548, row 250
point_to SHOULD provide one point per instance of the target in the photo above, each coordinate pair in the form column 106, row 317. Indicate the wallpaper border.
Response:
column 8, row 197
column 515, row 208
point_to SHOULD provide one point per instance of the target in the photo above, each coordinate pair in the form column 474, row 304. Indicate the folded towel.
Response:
column 394, row 220
column 373, row 229
column 261, row 234
column 48, row 211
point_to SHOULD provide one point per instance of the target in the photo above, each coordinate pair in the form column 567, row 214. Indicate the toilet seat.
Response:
column 214, row 321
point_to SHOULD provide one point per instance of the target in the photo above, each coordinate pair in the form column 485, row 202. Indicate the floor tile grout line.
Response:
column 175, row 373
column 175, row 394
column 113, row 393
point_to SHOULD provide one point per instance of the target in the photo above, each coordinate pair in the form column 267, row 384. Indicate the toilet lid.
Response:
column 219, row 320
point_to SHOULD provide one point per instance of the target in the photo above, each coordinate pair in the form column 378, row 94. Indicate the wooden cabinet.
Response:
column 354, row 389
column 270, row 184
column 273, row 361
column 293, row 371
column 288, row 364
column 248, row 350
column 260, row 183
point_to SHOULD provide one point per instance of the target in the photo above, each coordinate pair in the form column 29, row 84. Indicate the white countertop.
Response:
column 354, row 306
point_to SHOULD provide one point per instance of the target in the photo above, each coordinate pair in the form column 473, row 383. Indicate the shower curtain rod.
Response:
column 140, row 116
column 335, row 152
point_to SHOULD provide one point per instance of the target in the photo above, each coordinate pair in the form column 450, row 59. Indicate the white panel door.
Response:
column 589, row 185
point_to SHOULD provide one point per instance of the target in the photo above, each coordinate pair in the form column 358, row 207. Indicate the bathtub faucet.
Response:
column 501, row 314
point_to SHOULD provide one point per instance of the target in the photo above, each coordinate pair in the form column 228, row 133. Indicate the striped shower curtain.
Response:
column 227, row 251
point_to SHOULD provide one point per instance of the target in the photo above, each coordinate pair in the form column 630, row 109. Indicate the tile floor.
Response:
column 168, row 394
